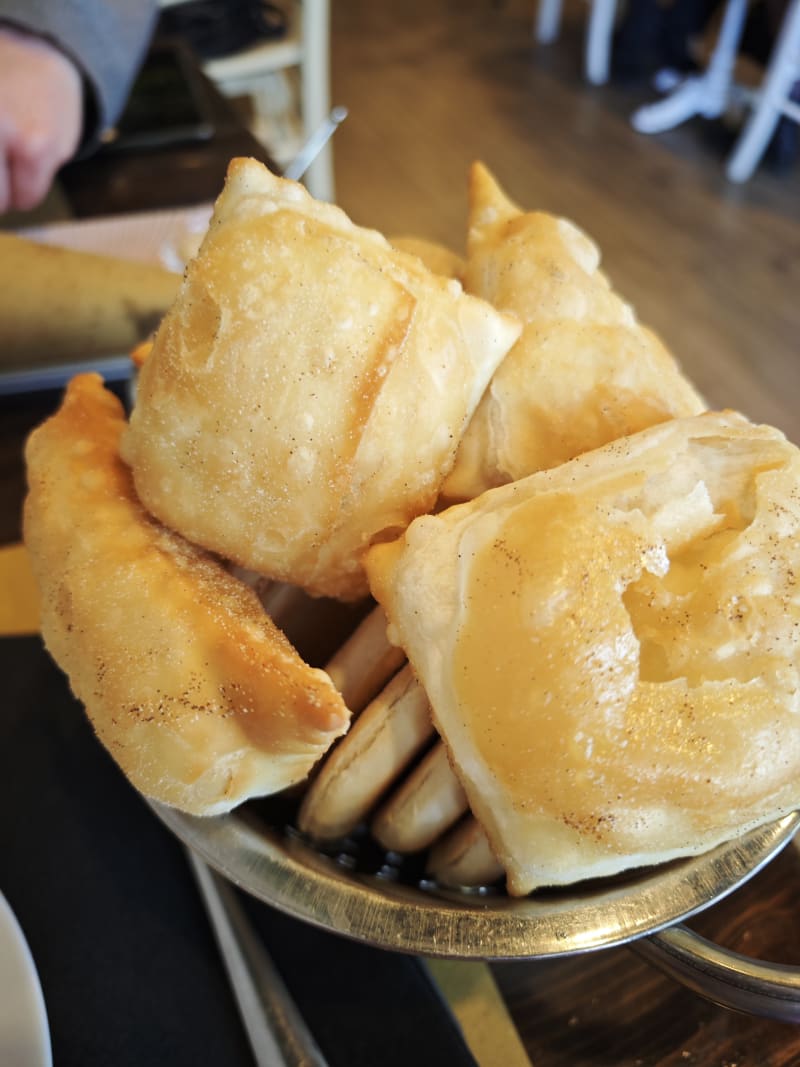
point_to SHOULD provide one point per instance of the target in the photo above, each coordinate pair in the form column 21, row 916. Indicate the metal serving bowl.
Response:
column 376, row 899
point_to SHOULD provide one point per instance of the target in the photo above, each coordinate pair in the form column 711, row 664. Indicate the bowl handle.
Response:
column 771, row 990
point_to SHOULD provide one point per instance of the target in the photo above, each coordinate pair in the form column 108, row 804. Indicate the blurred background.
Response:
column 713, row 266
column 431, row 85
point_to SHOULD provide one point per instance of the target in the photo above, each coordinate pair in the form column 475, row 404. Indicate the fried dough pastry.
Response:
column 584, row 371
column 436, row 257
column 199, row 698
column 306, row 394
column 610, row 647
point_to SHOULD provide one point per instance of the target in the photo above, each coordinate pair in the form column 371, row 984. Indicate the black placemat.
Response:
column 127, row 961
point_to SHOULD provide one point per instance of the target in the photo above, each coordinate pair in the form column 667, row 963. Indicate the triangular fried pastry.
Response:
column 610, row 647
column 307, row 392
column 583, row 372
column 199, row 698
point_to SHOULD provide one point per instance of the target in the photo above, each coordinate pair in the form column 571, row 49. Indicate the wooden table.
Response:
column 611, row 1008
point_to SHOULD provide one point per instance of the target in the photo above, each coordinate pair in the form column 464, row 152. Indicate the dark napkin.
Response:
column 127, row 961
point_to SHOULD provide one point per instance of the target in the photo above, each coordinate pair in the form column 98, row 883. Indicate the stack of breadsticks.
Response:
column 584, row 657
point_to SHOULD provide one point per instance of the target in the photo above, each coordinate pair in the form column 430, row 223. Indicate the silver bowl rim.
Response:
column 283, row 870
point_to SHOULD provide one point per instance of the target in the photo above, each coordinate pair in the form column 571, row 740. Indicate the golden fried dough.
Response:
column 436, row 257
column 306, row 394
column 610, row 647
column 583, row 372
column 196, row 694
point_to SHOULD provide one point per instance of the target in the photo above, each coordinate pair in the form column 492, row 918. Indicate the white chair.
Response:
column 597, row 48
column 771, row 100
column 705, row 94
column 255, row 72
column 709, row 94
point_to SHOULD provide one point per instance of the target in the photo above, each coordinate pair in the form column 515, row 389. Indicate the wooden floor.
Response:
column 715, row 268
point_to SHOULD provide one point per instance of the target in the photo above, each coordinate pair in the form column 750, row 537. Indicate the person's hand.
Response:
column 41, row 117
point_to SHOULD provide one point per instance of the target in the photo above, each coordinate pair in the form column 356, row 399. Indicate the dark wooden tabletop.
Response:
column 611, row 1009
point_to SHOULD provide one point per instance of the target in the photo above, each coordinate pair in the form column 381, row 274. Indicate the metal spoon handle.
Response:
column 277, row 1032
column 314, row 145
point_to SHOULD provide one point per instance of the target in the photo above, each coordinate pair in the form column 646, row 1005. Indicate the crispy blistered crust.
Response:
column 584, row 370
column 308, row 390
column 610, row 647
column 436, row 257
column 196, row 694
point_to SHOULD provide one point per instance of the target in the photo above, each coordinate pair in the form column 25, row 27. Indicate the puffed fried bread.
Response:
column 436, row 257
column 610, row 647
column 583, row 372
column 306, row 393
column 199, row 698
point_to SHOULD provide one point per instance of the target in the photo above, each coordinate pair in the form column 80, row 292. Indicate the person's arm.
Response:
column 66, row 68
column 106, row 39
column 41, row 117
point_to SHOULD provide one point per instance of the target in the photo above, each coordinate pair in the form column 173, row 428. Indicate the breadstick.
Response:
column 464, row 858
column 385, row 738
column 428, row 802
column 365, row 662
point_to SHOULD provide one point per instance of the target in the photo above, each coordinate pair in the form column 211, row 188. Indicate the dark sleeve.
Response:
column 107, row 39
